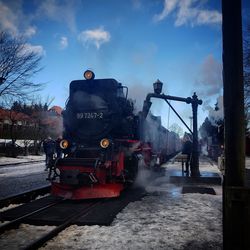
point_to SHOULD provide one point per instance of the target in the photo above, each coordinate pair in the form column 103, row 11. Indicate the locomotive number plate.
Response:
column 89, row 115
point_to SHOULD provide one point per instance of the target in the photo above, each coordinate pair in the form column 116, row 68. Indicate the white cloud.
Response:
column 30, row 31
column 169, row 6
column 60, row 11
column 188, row 12
column 206, row 17
column 8, row 19
column 14, row 21
column 63, row 42
column 95, row 36
column 17, row 24
column 38, row 49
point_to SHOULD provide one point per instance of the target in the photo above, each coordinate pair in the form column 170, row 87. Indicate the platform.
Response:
column 209, row 173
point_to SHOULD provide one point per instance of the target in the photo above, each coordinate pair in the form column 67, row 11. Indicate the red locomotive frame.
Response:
column 107, row 178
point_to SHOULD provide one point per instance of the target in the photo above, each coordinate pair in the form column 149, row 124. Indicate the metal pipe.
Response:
column 169, row 97
column 195, row 154
column 178, row 116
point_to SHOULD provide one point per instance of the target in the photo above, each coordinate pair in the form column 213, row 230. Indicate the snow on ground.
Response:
column 18, row 239
column 164, row 219
column 21, row 170
column 158, row 221
column 15, row 179
column 20, row 159
column 9, row 207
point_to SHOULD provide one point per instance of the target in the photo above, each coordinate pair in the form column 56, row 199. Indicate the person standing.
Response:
column 187, row 150
column 49, row 150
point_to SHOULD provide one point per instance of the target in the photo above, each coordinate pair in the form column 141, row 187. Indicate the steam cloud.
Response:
column 215, row 115
column 210, row 77
column 143, row 174
column 83, row 99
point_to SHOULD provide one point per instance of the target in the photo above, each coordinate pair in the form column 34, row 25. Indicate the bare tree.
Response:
column 18, row 63
column 177, row 129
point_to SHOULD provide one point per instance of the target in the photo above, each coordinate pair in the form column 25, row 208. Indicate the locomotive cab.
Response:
column 95, row 107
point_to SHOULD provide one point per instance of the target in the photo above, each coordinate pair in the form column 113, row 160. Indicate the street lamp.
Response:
column 158, row 87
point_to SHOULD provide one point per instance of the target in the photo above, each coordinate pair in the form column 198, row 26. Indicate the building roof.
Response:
column 13, row 115
column 57, row 109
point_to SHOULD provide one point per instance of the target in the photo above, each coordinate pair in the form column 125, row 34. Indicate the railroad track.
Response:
column 16, row 222
column 24, row 196
column 54, row 211
column 69, row 221
column 48, row 236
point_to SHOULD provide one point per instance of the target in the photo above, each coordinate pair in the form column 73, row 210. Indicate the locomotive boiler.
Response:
column 100, row 141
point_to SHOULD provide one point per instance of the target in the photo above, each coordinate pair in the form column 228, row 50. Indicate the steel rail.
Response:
column 25, row 196
column 15, row 223
column 48, row 236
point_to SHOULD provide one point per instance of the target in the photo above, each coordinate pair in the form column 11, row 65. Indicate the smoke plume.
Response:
column 209, row 79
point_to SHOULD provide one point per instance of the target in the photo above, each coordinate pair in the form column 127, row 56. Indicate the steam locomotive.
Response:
column 101, row 143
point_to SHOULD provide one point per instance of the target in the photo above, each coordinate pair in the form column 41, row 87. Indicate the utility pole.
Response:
column 236, row 197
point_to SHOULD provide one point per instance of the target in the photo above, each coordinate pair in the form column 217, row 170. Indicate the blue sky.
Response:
column 133, row 41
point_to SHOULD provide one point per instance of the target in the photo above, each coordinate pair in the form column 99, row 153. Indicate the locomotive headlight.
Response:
column 64, row 144
column 104, row 143
column 89, row 75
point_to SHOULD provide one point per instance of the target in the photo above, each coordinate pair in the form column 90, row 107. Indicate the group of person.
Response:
column 51, row 149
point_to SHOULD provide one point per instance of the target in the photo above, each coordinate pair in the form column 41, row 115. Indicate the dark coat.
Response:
column 49, row 146
column 187, row 148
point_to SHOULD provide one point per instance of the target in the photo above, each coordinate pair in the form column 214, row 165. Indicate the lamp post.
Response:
column 195, row 154
column 157, row 86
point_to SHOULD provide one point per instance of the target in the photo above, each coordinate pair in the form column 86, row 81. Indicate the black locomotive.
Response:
column 101, row 141
column 101, row 133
